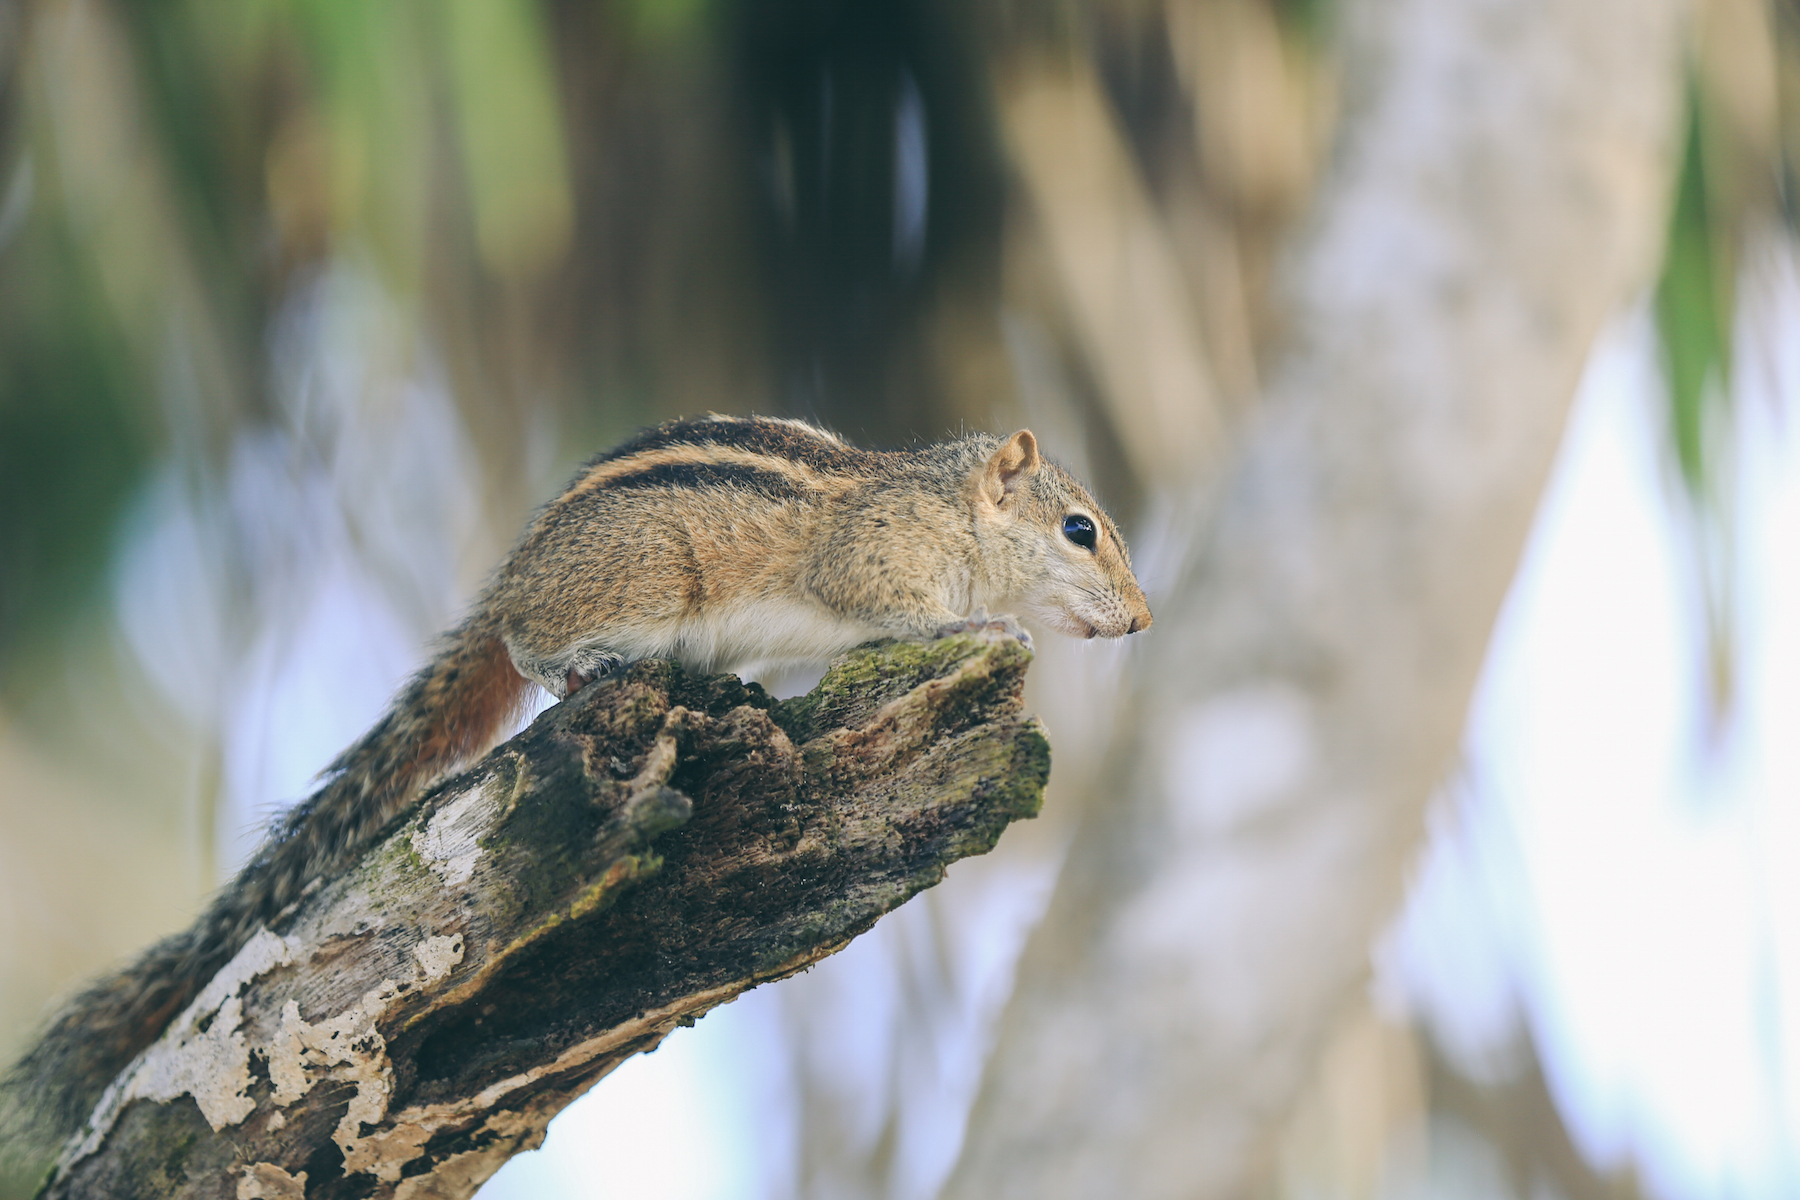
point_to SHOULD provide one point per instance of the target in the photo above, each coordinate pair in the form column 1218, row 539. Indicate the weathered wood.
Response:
column 644, row 852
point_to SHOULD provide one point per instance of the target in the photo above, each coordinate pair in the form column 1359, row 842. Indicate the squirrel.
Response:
column 713, row 541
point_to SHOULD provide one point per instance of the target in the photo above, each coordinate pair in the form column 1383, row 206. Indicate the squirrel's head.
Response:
column 1048, row 549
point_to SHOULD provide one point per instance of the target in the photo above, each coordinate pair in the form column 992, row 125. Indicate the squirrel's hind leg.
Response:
column 580, row 674
column 565, row 673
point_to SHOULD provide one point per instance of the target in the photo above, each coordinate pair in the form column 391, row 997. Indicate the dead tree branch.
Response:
column 641, row 854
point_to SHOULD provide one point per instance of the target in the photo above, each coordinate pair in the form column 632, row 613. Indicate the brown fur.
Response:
column 720, row 542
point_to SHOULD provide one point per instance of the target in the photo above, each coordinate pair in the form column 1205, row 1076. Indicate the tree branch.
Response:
column 644, row 852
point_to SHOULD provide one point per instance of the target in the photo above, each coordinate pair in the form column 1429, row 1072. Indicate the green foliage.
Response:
column 368, row 74
column 1693, row 310
column 73, row 446
column 180, row 166
column 1306, row 21
column 512, row 133
column 1715, row 197
column 667, row 21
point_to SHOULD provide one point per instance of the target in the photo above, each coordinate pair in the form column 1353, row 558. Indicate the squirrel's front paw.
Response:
column 979, row 620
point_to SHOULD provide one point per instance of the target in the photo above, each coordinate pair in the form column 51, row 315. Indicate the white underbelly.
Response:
column 760, row 635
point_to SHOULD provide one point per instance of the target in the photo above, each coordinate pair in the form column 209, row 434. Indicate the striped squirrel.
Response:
column 715, row 541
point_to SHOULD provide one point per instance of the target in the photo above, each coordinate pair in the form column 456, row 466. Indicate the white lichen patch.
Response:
column 385, row 1151
column 437, row 955
column 451, row 841
column 266, row 1181
column 347, row 1048
column 460, row 1174
column 203, row 1053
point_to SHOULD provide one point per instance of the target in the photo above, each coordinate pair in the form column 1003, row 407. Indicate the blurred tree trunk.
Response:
column 1500, row 187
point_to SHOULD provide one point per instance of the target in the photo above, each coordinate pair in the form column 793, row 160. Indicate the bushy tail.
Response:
column 448, row 713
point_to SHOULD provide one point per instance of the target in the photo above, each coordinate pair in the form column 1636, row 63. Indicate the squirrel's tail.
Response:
column 447, row 714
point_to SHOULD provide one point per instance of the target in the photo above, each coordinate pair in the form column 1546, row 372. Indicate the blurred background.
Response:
column 304, row 304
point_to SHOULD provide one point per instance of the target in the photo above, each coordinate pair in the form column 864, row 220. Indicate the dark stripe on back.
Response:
column 757, row 436
column 711, row 475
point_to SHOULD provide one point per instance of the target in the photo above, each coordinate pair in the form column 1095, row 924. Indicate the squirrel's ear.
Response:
column 1015, row 460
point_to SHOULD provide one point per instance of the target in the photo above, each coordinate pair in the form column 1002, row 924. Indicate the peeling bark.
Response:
column 643, row 853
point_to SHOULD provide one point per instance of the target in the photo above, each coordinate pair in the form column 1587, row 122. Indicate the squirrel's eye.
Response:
column 1080, row 530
